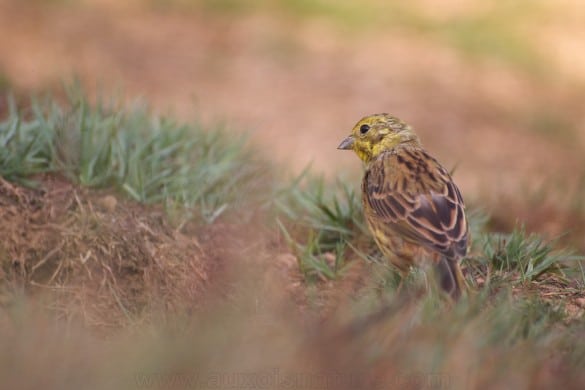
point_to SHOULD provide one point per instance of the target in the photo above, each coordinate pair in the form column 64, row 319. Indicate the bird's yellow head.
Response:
column 376, row 134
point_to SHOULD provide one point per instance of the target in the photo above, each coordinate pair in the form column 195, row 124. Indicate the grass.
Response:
column 528, row 254
column 522, row 325
column 151, row 159
column 327, row 218
column 484, row 343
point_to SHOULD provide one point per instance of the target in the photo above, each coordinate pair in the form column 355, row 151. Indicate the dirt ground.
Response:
column 105, row 263
column 99, row 258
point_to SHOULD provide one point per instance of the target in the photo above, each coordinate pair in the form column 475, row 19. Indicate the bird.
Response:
column 412, row 207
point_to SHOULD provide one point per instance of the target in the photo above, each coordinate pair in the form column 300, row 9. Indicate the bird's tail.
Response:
column 451, row 278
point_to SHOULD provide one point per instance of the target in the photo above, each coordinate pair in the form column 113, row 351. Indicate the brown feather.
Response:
column 427, row 210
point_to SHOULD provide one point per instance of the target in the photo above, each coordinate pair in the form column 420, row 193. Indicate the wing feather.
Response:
column 426, row 209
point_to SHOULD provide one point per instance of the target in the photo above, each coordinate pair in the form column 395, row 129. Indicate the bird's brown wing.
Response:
column 410, row 192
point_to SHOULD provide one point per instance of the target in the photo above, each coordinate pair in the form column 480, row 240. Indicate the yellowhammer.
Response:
column 413, row 208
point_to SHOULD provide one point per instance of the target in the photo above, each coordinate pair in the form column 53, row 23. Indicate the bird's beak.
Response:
column 347, row 143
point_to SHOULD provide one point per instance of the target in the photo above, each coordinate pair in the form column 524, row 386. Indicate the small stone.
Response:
column 329, row 258
column 288, row 259
column 580, row 302
column 108, row 203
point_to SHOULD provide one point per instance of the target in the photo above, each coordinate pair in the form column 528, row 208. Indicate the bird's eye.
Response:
column 364, row 129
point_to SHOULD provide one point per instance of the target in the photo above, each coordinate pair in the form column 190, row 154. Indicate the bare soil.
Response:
column 101, row 260
column 106, row 263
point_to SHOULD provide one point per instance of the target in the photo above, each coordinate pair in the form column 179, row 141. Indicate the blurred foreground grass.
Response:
column 418, row 344
column 522, row 325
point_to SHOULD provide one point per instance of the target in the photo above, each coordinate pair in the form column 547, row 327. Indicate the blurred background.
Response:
column 494, row 88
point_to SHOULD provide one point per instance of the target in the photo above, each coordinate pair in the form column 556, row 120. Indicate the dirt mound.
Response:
column 109, row 263
column 105, row 261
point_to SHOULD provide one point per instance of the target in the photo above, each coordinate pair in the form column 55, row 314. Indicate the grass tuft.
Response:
column 25, row 149
column 152, row 159
column 528, row 255
column 321, row 220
